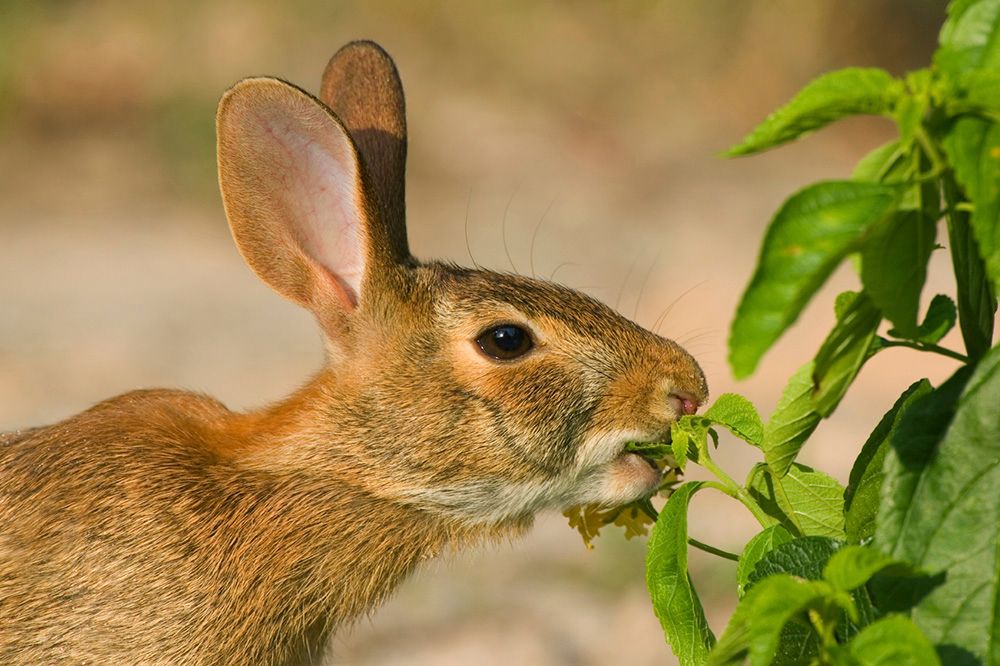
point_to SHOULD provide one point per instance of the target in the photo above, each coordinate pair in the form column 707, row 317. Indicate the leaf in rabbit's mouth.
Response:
column 635, row 517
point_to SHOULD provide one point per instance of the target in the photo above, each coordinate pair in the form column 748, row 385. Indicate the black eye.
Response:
column 505, row 342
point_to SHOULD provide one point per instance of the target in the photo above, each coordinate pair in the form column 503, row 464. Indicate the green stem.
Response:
column 927, row 347
column 930, row 149
column 727, row 485
column 713, row 550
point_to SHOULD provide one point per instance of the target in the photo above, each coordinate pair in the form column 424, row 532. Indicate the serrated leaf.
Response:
column 807, row 502
column 808, row 557
column 861, row 497
column 739, row 416
column 675, row 601
column 835, row 95
column 940, row 318
column 764, row 542
column 941, row 510
column 793, row 420
column 894, row 265
column 755, row 629
column 892, row 641
column 842, row 354
column 969, row 37
column 805, row 557
column 808, row 237
column 973, row 148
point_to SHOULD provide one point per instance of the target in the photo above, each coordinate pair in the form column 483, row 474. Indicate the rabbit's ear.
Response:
column 295, row 196
column 362, row 87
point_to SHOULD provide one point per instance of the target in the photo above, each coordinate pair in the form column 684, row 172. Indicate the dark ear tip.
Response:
column 362, row 50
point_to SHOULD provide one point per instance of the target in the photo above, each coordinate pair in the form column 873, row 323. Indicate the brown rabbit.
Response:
column 159, row 527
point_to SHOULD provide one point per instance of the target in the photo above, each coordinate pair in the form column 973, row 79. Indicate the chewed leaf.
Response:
column 809, row 236
column 846, row 92
column 737, row 414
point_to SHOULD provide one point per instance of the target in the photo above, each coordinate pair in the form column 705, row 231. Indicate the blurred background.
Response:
column 596, row 123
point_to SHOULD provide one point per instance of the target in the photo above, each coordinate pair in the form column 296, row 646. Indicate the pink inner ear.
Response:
column 318, row 191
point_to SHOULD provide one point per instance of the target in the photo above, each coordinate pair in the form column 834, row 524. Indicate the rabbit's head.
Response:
column 476, row 394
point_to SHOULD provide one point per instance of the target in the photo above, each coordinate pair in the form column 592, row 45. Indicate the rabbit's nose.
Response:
column 683, row 404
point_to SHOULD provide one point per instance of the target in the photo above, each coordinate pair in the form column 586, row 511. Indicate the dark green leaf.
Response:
column 738, row 414
column 941, row 317
column 969, row 38
column 845, row 92
column 808, row 237
column 805, row 501
column 893, row 641
column 861, row 497
column 793, row 420
column 763, row 543
column 805, row 557
column 941, row 510
column 843, row 352
column 675, row 601
column 894, row 265
column 755, row 628
column 973, row 148
column 976, row 302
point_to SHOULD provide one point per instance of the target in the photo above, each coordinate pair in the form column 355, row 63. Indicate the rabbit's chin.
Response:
column 627, row 478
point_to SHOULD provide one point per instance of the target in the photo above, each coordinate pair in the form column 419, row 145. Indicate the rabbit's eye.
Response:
column 505, row 342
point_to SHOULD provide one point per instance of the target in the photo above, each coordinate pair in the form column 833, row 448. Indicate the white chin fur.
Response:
column 623, row 479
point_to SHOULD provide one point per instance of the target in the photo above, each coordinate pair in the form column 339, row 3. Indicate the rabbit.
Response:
column 159, row 527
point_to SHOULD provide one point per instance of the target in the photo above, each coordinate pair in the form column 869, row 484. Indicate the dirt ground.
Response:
column 597, row 123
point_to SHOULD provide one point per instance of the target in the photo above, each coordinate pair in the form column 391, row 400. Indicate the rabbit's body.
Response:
column 160, row 527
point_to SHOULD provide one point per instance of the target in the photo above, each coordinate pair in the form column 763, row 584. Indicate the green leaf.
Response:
column 808, row 237
column 941, row 317
column 845, row 92
column 852, row 566
column 737, row 414
column 973, row 148
column 808, row 557
column 861, row 497
column 680, row 444
column 793, row 420
column 894, row 265
column 805, row 557
column 969, row 37
column 876, row 166
column 942, row 509
column 806, row 502
column 755, row 628
column 892, row 641
column 843, row 352
column 675, row 601
column 976, row 302
column 764, row 542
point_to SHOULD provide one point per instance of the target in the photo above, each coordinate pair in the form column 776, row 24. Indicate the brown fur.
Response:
column 159, row 527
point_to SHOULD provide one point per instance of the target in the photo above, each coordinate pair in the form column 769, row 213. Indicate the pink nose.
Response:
column 688, row 406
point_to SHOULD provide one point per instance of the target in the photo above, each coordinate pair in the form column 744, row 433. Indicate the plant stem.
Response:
column 713, row 550
column 930, row 149
column 727, row 485
column 927, row 347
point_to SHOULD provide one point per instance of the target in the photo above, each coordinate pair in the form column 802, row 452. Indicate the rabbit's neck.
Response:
column 338, row 546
